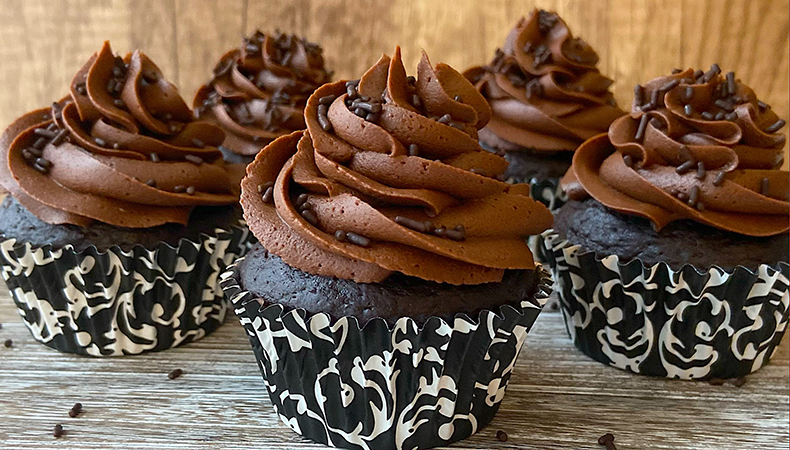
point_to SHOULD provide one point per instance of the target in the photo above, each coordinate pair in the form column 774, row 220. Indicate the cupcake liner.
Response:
column 548, row 192
column 118, row 302
column 653, row 320
column 376, row 387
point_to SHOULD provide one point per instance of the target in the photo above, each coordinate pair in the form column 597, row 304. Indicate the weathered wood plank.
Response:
column 557, row 399
column 204, row 32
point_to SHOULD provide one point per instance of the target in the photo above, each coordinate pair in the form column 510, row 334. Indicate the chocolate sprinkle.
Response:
column 639, row 94
column 654, row 98
column 776, row 126
column 180, row 188
column 723, row 104
column 731, row 83
column 719, row 178
column 310, row 216
column 445, row 119
column 413, row 150
column 457, row 98
column 40, row 143
column 154, row 157
column 685, row 167
column 301, row 199
column 700, row 170
column 732, row 117
column 44, row 132
column 501, row 436
column 764, row 185
column 268, row 194
column 151, row 182
column 720, row 115
column 324, row 122
column 628, row 160
column 762, row 105
column 693, row 196
column 357, row 239
column 738, row 382
column 669, row 85
column 697, row 73
column 326, row 100
column 194, row 159
column 456, row 234
column 707, row 116
column 607, row 440
column 190, row 190
column 340, row 235
column 688, row 109
column 175, row 374
column 75, row 410
column 8, row 343
column 676, row 71
column 58, row 431
column 640, row 132
column 415, row 225
column 198, row 143
column 689, row 93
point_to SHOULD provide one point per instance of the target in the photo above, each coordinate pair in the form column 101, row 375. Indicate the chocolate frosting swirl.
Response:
column 544, row 88
column 122, row 149
column 259, row 90
column 697, row 145
column 389, row 176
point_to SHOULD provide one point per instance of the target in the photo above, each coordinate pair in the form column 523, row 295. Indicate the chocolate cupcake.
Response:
column 392, row 288
column 259, row 90
column 672, row 254
column 547, row 97
column 120, row 216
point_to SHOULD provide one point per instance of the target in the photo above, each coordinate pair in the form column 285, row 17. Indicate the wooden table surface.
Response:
column 557, row 399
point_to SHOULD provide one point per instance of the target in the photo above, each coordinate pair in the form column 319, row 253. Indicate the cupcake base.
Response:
column 121, row 302
column 607, row 232
column 378, row 386
column 655, row 320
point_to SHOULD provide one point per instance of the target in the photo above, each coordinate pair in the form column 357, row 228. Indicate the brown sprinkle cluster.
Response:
column 363, row 106
column 457, row 233
column 49, row 135
column 725, row 103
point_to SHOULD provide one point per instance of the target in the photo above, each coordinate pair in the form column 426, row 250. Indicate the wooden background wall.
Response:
column 43, row 42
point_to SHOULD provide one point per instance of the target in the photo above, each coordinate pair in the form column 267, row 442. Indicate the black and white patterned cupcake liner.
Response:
column 548, row 192
column 654, row 320
column 119, row 302
column 379, row 388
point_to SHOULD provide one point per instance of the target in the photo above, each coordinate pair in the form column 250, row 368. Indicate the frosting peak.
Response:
column 389, row 177
column 697, row 145
column 544, row 88
column 121, row 149
column 259, row 90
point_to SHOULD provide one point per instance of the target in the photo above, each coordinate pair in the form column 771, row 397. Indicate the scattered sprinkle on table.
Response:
column 175, row 374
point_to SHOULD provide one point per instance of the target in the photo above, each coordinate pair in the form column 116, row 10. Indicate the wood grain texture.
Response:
column 557, row 399
column 43, row 43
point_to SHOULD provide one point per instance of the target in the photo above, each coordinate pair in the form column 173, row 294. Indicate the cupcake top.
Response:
column 122, row 149
column 389, row 177
column 259, row 90
column 697, row 145
column 544, row 88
